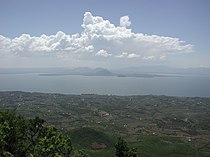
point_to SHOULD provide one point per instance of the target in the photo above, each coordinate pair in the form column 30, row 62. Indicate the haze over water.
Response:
column 69, row 84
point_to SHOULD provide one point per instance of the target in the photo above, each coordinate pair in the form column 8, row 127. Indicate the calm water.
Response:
column 175, row 86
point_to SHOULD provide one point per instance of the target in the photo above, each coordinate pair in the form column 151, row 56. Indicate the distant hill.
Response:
column 164, row 70
column 143, row 71
column 85, row 71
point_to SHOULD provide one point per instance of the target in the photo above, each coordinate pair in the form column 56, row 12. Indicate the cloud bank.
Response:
column 99, row 39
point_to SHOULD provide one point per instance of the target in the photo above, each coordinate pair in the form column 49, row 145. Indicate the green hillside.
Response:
column 156, row 125
column 91, row 138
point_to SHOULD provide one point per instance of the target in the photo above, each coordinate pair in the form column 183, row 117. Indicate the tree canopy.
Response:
column 21, row 137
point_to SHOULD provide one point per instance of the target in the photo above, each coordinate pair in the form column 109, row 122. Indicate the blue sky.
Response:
column 185, row 20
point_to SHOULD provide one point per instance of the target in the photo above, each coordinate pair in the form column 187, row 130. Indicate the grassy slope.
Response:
column 147, row 146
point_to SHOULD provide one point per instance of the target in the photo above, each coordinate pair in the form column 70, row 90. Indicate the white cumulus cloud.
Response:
column 149, row 57
column 124, row 21
column 99, row 38
column 133, row 55
column 103, row 53
column 128, row 55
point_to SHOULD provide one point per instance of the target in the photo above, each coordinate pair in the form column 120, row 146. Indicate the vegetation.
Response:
column 90, row 138
column 122, row 149
column 30, row 138
column 157, row 126
column 21, row 137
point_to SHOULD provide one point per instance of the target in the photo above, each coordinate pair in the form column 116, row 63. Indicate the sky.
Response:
column 110, row 34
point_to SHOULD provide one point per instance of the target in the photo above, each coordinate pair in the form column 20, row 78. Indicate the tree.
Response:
column 12, row 136
column 4, row 131
column 132, row 153
column 122, row 149
column 81, row 153
column 53, row 142
column 20, row 138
